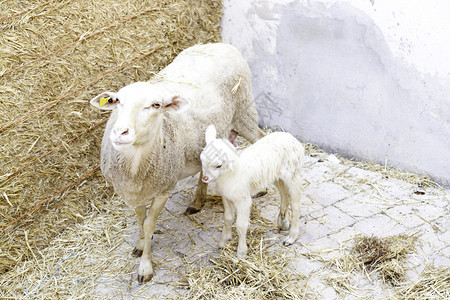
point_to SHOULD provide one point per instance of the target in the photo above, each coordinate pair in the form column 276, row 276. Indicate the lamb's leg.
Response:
column 243, row 208
column 283, row 217
column 228, row 217
column 145, row 270
column 295, row 194
column 199, row 198
column 141, row 213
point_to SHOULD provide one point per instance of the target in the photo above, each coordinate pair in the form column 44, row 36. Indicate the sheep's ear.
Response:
column 176, row 104
column 105, row 101
column 210, row 134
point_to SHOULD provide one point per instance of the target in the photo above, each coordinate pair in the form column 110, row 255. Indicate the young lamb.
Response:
column 276, row 158
column 155, row 134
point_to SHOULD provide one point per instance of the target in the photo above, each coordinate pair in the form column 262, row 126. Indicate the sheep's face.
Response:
column 217, row 157
column 139, row 109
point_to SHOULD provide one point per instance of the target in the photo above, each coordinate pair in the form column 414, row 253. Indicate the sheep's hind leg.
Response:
column 243, row 208
column 141, row 213
column 199, row 198
column 145, row 269
column 245, row 121
column 283, row 217
column 295, row 194
column 249, row 132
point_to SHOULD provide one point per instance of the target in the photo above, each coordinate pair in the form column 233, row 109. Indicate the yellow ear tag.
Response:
column 103, row 101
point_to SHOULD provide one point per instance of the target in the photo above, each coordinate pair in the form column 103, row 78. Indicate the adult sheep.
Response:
column 155, row 134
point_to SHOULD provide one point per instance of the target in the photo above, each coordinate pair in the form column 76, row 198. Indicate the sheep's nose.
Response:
column 205, row 179
column 122, row 131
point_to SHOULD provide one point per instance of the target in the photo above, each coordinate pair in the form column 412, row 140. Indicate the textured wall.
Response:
column 366, row 79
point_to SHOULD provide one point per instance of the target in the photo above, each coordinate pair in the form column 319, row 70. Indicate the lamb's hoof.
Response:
column 288, row 241
column 241, row 252
column 285, row 225
column 222, row 244
column 287, row 244
column 143, row 279
column 137, row 252
column 241, row 255
column 191, row 211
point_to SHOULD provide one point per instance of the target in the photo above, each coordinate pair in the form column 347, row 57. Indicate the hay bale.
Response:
column 71, row 45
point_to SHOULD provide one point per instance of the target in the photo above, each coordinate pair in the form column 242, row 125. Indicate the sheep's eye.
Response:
column 156, row 105
column 218, row 166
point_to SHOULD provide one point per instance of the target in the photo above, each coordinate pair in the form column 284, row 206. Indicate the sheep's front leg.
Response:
column 243, row 208
column 141, row 213
column 228, row 216
column 199, row 198
column 145, row 270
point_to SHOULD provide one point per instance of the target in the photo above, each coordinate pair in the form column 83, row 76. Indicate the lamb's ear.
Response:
column 105, row 101
column 229, row 165
column 176, row 104
column 210, row 134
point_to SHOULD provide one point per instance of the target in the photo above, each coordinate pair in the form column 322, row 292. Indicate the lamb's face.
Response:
column 217, row 159
column 139, row 109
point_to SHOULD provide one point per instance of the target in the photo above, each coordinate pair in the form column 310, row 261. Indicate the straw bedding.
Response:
column 386, row 258
column 263, row 274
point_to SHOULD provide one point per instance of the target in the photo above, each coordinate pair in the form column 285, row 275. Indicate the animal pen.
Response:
column 65, row 234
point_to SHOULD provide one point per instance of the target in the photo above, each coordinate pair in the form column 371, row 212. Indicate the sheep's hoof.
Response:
column 260, row 194
column 191, row 211
column 137, row 252
column 143, row 279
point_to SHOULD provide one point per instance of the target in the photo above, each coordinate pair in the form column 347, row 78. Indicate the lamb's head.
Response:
column 140, row 107
column 217, row 157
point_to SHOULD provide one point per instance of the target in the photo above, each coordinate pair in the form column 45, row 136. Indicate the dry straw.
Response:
column 433, row 283
column 385, row 255
column 263, row 274
column 386, row 258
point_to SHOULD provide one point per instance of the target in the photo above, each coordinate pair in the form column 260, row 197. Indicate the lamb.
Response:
column 277, row 158
column 154, row 136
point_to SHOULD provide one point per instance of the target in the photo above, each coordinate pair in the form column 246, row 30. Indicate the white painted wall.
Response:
column 368, row 79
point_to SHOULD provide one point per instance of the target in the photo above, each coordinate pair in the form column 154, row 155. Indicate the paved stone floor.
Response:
column 340, row 202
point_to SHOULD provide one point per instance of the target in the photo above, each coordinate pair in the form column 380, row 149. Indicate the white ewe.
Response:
column 277, row 158
column 154, row 136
